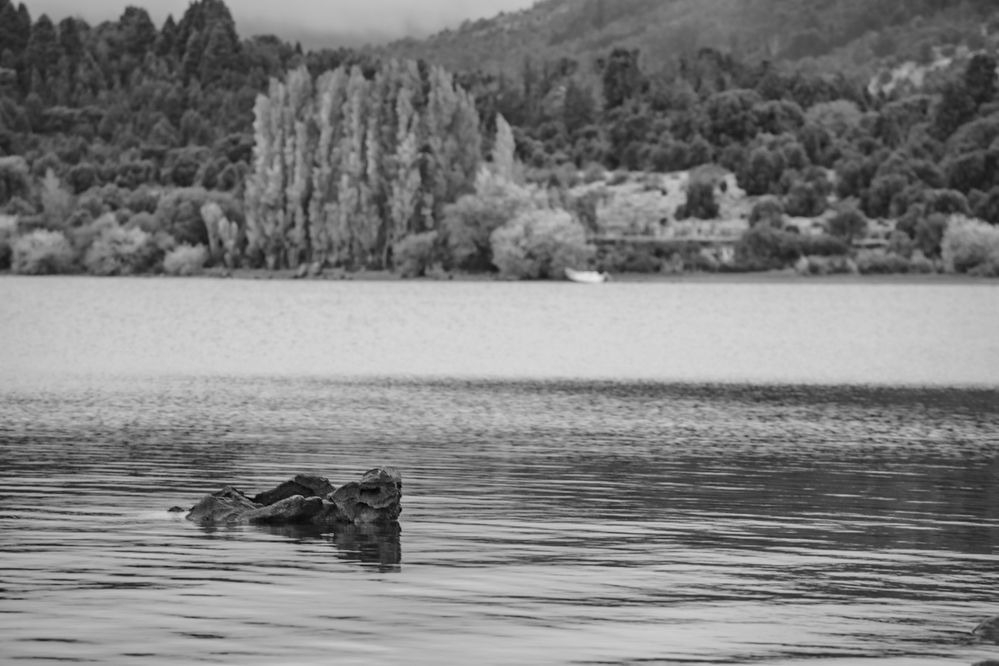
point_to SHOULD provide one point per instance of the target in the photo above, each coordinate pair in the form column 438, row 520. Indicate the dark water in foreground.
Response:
column 544, row 522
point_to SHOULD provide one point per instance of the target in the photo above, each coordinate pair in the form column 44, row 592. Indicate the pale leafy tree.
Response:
column 222, row 233
column 57, row 202
column 345, row 167
column 539, row 244
column 259, row 195
column 504, row 151
column 353, row 191
column 405, row 176
column 324, row 217
column 452, row 134
column 298, row 159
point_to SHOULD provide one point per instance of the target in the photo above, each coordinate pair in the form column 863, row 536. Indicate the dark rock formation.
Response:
column 374, row 499
column 306, row 485
column 988, row 630
column 224, row 506
column 308, row 500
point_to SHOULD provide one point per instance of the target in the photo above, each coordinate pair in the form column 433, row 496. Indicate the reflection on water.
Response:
column 367, row 544
column 543, row 522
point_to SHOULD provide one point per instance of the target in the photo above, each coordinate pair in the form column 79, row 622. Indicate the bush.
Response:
column 919, row 264
column 901, row 244
column 805, row 199
column 929, row 234
column 8, row 229
column 185, row 260
column 15, row 180
column 540, row 244
column 768, row 211
column 848, row 224
column 970, row 246
column 878, row 262
column 119, row 251
column 415, row 254
column 42, row 253
column 825, row 266
column 823, row 245
column 470, row 221
column 765, row 248
column 700, row 203
column 179, row 213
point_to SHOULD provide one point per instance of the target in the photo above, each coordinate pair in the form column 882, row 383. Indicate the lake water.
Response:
column 631, row 473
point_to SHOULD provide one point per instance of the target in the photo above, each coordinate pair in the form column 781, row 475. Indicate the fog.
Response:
column 293, row 19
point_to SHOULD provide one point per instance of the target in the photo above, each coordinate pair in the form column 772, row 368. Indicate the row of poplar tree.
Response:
column 346, row 165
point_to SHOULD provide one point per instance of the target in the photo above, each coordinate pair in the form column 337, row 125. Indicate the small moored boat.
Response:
column 586, row 277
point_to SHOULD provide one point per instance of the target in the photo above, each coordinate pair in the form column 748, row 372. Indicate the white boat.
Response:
column 586, row 277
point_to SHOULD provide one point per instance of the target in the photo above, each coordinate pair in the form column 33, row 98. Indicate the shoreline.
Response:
column 766, row 277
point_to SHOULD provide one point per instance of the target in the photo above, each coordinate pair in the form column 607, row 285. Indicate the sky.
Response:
column 290, row 18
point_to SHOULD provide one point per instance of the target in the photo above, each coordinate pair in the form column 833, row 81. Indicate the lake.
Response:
column 672, row 472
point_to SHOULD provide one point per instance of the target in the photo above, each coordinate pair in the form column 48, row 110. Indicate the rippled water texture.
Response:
column 545, row 520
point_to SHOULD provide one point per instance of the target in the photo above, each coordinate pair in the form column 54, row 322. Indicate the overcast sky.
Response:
column 389, row 17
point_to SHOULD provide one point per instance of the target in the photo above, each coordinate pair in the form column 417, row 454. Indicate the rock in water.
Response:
column 225, row 506
column 988, row 630
column 307, row 499
column 306, row 485
column 293, row 510
column 375, row 499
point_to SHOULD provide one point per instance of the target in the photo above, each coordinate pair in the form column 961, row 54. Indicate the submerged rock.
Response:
column 224, row 506
column 373, row 499
column 308, row 500
column 306, row 485
column 988, row 630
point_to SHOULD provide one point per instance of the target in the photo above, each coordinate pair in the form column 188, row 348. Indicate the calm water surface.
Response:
column 581, row 486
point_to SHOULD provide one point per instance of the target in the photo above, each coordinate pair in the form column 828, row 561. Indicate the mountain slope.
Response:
column 788, row 30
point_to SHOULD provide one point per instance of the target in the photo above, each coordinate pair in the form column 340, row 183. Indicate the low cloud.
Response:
column 387, row 18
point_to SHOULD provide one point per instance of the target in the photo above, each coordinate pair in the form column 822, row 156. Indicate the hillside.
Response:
column 852, row 32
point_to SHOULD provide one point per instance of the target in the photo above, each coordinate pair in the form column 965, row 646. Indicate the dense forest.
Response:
column 129, row 148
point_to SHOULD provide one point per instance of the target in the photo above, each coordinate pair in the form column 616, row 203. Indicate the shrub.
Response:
column 179, row 213
column 119, row 251
column 901, row 244
column 825, row 266
column 919, row 264
column 185, row 260
column 805, row 199
column 878, row 262
column 15, row 178
column 700, row 203
column 415, row 254
column 970, row 246
column 83, row 237
column 823, row 245
column 766, row 248
column 42, row 253
column 767, row 211
column 470, row 221
column 8, row 229
column 929, row 234
column 57, row 202
column 540, row 244
column 848, row 224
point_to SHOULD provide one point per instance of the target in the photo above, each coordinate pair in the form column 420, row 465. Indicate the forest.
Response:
column 127, row 148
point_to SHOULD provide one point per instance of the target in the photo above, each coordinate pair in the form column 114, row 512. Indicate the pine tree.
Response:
column 43, row 52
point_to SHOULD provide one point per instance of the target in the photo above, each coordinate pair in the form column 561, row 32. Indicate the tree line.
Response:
column 149, row 141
